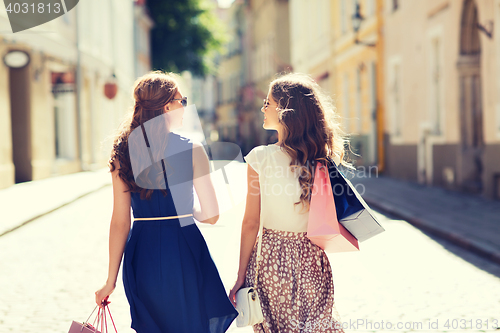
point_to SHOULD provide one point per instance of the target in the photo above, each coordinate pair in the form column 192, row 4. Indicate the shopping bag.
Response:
column 352, row 211
column 77, row 327
column 86, row 327
column 323, row 228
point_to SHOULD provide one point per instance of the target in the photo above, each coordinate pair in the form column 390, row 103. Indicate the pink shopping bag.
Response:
column 323, row 227
column 101, row 318
column 77, row 327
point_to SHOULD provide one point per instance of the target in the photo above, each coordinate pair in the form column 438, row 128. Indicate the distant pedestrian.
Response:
column 295, row 281
column 169, row 277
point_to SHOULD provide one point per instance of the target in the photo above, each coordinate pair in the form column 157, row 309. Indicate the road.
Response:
column 51, row 268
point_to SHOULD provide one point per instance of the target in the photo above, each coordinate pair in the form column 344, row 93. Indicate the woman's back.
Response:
column 279, row 189
column 179, row 173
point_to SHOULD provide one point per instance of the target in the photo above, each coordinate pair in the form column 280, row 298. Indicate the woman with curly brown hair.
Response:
column 294, row 280
column 169, row 277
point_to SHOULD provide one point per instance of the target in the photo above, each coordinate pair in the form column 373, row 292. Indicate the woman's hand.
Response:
column 237, row 285
column 102, row 294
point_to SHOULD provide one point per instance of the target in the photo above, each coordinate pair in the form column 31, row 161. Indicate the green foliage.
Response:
column 186, row 36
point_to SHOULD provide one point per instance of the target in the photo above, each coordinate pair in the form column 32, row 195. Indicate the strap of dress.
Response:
column 151, row 154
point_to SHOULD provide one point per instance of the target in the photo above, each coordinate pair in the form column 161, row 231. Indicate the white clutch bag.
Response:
column 247, row 299
column 248, row 306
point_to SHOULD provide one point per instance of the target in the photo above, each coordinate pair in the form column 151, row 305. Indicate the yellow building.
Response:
column 344, row 62
column 229, row 77
column 312, row 41
column 270, row 55
column 258, row 48
column 356, row 66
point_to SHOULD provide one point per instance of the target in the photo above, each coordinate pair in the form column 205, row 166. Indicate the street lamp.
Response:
column 357, row 18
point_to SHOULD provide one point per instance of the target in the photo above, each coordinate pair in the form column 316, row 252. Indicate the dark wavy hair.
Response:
column 151, row 93
column 311, row 128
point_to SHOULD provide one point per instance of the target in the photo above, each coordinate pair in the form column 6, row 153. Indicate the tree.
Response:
column 185, row 36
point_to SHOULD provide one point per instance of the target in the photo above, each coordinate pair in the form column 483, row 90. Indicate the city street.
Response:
column 406, row 92
column 52, row 266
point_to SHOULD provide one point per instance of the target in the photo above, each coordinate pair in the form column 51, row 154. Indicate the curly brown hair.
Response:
column 311, row 128
column 151, row 93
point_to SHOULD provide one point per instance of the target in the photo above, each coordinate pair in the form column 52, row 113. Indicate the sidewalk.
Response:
column 468, row 221
column 24, row 202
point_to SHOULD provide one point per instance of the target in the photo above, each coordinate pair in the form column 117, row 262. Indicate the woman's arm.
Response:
column 209, row 212
column 251, row 221
column 249, row 229
column 118, row 232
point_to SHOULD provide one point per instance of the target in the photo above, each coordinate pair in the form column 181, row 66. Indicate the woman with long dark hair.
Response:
column 295, row 281
column 169, row 277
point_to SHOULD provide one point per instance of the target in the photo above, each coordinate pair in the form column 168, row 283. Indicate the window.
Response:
column 372, row 74
column 370, row 7
column 373, row 85
column 346, row 101
column 65, row 120
column 270, row 56
column 267, row 56
column 395, row 91
column 219, row 91
column 358, row 100
column 343, row 16
column 226, row 91
column 436, row 84
column 234, row 82
column 395, row 5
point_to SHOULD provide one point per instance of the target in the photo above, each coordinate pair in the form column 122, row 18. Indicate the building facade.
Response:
column 54, row 114
column 441, row 85
column 270, row 56
column 258, row 48
column 356, row 69
column 142, row 42
column 323, row 45
column 415, row 82
column 229, row 75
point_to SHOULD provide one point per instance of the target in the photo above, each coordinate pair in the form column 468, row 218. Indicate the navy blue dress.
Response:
column 169, row 277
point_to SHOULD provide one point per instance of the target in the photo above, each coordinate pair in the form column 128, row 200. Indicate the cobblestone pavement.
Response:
column 51, row 268
column 405, row 276
column 469, row 221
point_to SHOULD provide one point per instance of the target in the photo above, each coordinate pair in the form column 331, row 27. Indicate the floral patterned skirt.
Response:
column 295, row 285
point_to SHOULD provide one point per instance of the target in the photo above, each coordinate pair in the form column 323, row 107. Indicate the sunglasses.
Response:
column 184, row 101
column 265, row 104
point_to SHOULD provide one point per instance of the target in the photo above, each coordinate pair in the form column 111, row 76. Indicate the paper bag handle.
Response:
column 101, row 318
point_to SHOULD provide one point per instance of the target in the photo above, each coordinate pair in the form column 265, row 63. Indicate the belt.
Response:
column 160, row 218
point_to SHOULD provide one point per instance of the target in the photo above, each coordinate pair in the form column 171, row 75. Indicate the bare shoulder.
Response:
column 199, row 152
column 119, row 186
column 200, row 159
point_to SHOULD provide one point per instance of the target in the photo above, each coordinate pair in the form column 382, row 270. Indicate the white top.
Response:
column 279, row 189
